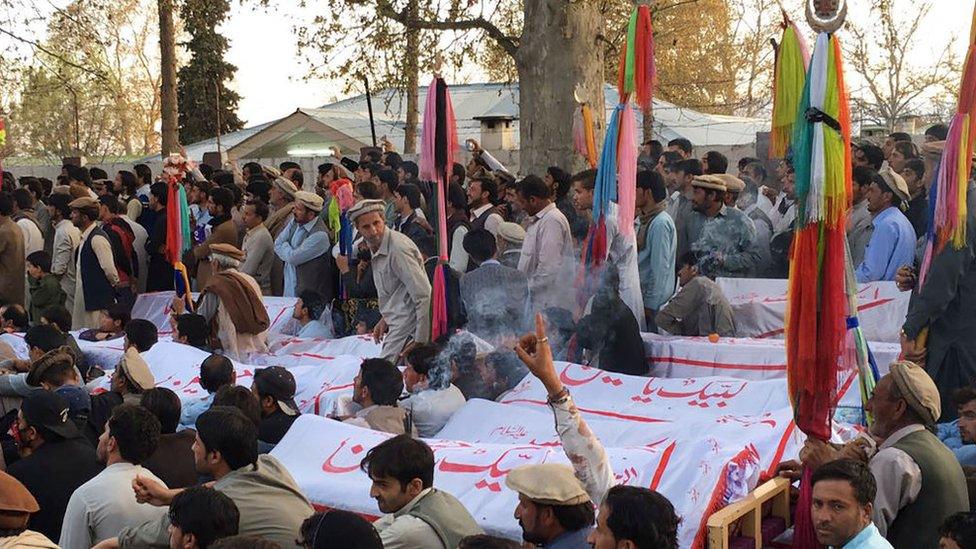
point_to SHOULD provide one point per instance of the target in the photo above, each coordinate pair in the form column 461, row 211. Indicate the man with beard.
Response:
column 97, row 276
column 726, row 243
column 419, row 516
column 223, row 231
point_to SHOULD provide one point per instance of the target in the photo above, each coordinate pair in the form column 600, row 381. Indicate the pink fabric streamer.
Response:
column 579, row 134
column 438, row 304
column 428, row 136
column 627, row 170
column 946, row 203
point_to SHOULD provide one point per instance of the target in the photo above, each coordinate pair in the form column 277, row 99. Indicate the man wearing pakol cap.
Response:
column 304, row 246
column 223, row 230
column 734, row 187
column 920, row 482
column 509, row 243
column 95, row 267
column 726, row 243
column 129, row 380
column 282, row 204
column 16, row 506
column 892, row 243
column 54, row 458
column 104, row 505
column 275, row 389
column 401, row 282
column 231, row 304
column 555, row 508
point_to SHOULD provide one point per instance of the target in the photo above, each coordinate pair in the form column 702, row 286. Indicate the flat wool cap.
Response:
column 311, row 201
column 16, row 503
column 365, row 207
column 135, row 368
column 732, row 183
column 286, row 186
column 918, row 390
column 229, row 250
column 511, row 232
column 547, row 483
column 709, row 181
column 897, row 184
column 83, row 202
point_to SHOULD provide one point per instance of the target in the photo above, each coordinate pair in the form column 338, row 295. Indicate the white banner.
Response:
column 155, row 307
column 741, row 357
column 759, row 307
column 698, row 440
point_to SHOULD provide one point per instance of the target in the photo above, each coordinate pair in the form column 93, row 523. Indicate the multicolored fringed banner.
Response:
column 947, row 202
column 616, row 175
column 178, row 232
column 819, row 301
column 337, row 219
column 637, row 75
column 3, row 139
column 792, row 58
column 438, row 146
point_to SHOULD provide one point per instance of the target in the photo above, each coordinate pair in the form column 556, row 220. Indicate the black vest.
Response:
column 319, row 273
column 478, row 223
column 98, row 291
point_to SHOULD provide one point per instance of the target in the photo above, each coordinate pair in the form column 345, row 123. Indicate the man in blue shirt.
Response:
column 892, row 243
column 216, row 371
column 303, row 246
column 843, row 503
column 657, row 243
column 308, row 313
column 959, row 435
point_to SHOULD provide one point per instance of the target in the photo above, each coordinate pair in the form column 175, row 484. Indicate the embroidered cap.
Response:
column 365, row 207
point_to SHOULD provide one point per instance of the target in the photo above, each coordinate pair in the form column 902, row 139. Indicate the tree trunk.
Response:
column 557, row 51
column 167, row 56
column 411, row 76
column 647, row 127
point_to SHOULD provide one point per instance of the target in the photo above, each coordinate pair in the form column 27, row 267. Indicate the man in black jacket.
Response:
column 55, row 458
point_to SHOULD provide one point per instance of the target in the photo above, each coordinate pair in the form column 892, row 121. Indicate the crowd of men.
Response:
column 136, row 467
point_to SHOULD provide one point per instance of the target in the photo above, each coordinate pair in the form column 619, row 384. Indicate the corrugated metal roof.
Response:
column 351, row 117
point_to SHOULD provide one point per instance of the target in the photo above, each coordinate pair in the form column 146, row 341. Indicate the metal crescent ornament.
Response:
column 578, row 94
column 826, row 15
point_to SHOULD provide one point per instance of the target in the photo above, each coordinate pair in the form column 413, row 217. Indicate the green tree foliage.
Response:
column 203, row 80
column 91, row 87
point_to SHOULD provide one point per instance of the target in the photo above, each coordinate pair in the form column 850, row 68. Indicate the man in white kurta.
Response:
column 80, row 318
column 548, row 256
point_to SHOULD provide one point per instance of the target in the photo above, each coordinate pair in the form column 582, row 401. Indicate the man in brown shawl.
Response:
column 231, row 304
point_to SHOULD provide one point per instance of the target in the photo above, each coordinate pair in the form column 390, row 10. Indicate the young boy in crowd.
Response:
column 45, row 288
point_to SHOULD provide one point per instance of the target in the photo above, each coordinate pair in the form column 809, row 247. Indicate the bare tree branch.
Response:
column 509, row 44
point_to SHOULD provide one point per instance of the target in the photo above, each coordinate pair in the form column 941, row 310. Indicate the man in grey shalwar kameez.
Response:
column 401, row 281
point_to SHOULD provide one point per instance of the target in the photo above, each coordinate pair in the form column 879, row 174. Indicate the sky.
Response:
column 270, row 72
